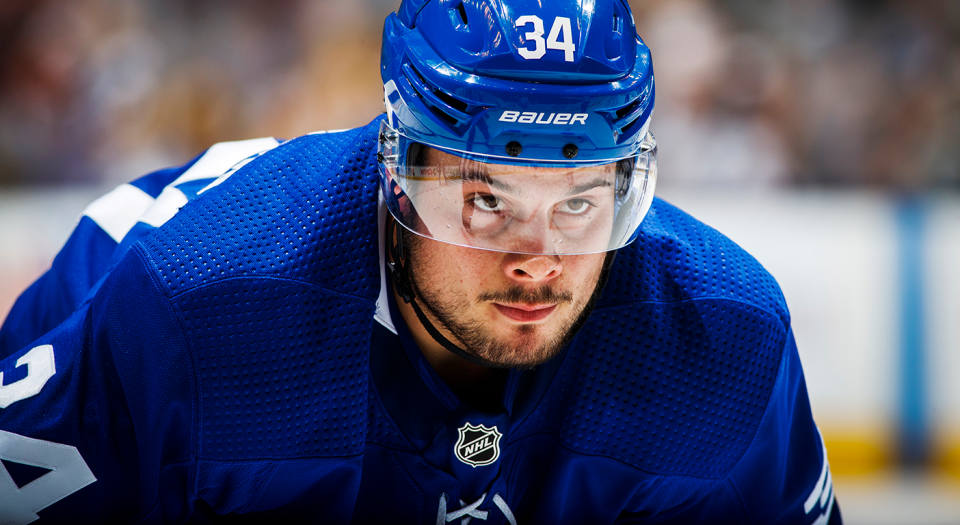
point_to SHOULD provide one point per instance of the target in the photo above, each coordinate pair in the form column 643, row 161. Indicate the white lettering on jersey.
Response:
column 40, row 368
column 68, row 474
column 68, row 471
column 532, row 117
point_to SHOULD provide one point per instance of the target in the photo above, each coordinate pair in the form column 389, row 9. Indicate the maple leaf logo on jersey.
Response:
column 478, row 445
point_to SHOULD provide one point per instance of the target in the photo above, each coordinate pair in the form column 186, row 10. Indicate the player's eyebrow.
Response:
column 475, row 175
column 598, row 182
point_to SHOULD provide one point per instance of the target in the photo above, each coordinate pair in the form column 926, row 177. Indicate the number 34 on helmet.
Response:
column 518, row 125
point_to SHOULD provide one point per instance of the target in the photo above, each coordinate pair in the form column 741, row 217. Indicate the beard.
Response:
column 527, row 347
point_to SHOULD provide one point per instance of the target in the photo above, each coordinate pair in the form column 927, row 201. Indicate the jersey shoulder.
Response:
column 104, row 233
column 677, row 258
column 273, row 275
column 300, row 211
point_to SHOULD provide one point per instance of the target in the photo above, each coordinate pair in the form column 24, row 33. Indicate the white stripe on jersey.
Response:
column 221, row 157
column 166, row 206
column 118, row 211
column 823, row 491
column 824, row 518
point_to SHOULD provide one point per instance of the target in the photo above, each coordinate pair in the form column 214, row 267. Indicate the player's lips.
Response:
column 526, row 313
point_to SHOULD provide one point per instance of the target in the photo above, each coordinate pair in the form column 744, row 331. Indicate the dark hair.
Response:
column 416, row 154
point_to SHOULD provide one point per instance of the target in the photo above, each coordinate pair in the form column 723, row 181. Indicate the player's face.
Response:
column 512, row 309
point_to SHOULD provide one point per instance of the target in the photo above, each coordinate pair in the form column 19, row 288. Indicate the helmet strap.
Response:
column 400, row 271
column 397, row 263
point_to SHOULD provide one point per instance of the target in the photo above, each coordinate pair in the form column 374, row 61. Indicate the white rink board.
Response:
column 942, row 284
column 34, row 224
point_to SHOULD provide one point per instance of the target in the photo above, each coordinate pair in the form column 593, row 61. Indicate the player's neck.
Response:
column 480, row 386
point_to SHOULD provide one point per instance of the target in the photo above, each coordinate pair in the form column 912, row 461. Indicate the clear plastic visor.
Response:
column 542, row 209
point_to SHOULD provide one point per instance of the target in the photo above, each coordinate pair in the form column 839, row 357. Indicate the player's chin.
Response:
column 524, row 352
column 527, row 362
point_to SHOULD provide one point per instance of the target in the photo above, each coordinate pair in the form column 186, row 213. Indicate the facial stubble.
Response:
column 475, row 337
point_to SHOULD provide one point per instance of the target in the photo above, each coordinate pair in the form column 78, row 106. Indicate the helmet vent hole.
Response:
column 455, row 110
column 616, row 23
column 624, row 111
column 630, row 124
column 463, row 13
column 458, row 105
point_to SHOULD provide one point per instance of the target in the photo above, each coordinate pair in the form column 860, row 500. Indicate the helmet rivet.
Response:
column 570, row 151
column 514, row 148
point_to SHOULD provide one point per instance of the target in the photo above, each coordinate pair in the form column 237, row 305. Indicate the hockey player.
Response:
column 418, row 321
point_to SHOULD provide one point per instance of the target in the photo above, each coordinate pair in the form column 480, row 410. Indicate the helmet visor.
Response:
column 548, row 208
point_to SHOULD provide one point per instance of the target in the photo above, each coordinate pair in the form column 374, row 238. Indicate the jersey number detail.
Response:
column 40, row 368
column 560, row 38
column 68, row 474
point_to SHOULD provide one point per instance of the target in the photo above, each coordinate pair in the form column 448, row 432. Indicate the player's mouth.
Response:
column 524, row 313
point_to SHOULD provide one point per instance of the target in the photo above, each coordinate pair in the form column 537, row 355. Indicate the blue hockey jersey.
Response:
column 216, row 342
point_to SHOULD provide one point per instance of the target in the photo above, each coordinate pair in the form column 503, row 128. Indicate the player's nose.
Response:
column 527, row 268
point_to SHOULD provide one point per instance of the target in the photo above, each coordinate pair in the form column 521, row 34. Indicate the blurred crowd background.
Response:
column 821, row 135
column 750, row 92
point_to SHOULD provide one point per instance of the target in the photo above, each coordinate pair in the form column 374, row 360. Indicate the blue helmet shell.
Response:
column 474, row 76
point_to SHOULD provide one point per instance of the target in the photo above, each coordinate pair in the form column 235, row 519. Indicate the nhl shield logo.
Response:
column 478, row 445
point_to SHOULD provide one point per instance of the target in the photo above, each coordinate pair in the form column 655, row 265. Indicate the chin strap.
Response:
column 399, row 270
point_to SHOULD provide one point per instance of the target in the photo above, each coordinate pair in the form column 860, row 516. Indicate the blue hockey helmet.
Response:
column 535, row 116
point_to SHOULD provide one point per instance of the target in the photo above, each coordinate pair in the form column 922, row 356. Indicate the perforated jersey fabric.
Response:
column 220, row 361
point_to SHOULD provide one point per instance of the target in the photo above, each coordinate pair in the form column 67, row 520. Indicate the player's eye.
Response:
column 575, row 206
column 488, row 203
